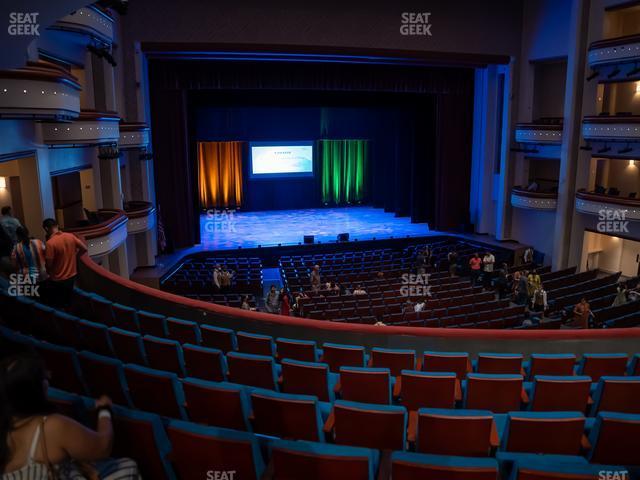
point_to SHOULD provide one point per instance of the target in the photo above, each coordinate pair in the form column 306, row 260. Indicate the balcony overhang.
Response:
column 611, row 55
column 538, row 134
column 522, row 198
column 91, row 21
column 608, row 207
column 133, row 135
column 142, row 217
column 90, row 128
column 107, row 235
column 41, row 90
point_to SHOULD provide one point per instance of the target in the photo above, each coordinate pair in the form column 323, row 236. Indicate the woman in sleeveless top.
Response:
column 38, row 444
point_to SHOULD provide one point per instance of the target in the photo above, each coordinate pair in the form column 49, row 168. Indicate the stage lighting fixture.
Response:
column 614, row 72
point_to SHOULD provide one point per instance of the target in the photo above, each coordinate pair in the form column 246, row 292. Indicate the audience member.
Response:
column 452, row 257
column 6, row 247
column 581, row 314
column 315, row 278
column 61, row 253
column 621, row 295
column 246, row 305
column 284, row 303
column 28, row 256
column 217, row 278
column 420, row 304
column 475, row 263
column 226, row 276
column 522, row 290
column 9, row 223
column 39, row 444
column 539, row 300
column 488, row 262
column 272, row 300
column 359, row 290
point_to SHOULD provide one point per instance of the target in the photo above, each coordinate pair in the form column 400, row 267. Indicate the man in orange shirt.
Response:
column 61, row 254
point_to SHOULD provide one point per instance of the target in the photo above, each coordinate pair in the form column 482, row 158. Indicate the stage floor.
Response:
column 288, row 227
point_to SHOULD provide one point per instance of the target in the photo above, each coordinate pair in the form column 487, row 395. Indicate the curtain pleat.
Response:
column 343, row 171
column 220, row 174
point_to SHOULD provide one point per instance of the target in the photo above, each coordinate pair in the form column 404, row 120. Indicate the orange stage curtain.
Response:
column 220, row 174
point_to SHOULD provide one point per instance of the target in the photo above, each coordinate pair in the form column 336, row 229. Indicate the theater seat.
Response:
column 255, row 370
column 104, row 376
column 231, row 403
column 198, row 450
column 596, row 365
column 617, row 394
column 303, row 350
column 221, row 338
column 562, row 394
column 295, row 417
column 499, row 363
column 95, row 338
column 555, row 433
column 539, row 469
column 336, row 356
column 164, row 354
column 155, row 391
column 152, row 324
column 468, row 433
column 365, row 385
column 67, row 326
column 128, row 346
column 307, row 378
column 394, row 360
column 427, row 389
column 255, row 344
column 63, row 364
column 141, row 436
column 102, row 312
column 634, row 366
column 205, row 363
column 457, row 362
column 614, row 439
column 125, row 317
column 317, row 461
column 557, row 364
column 418, row 466
column 382, row 427
column 497, row 393
column 183, row 331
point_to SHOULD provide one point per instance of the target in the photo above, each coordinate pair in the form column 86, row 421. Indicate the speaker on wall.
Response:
column 309, row 239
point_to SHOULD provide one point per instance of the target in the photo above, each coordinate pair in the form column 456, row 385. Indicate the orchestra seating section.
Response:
column 195, row 276
column 187, row 392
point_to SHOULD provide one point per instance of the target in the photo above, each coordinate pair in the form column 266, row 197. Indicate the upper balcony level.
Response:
column 522, row 197
column 615, row 58
column 41, row 90
column 545, row 131
column 92, row 21
column 106, row 233
column 142, row 216
column 90, row 128
column 621, row 130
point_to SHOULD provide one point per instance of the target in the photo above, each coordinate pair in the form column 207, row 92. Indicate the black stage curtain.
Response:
column 420, row 168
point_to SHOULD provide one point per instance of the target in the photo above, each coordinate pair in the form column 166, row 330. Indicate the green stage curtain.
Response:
column 343, row 170
column 220, row 174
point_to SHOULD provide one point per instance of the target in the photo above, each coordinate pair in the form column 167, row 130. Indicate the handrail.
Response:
column 597, row 197
column 118, row 218
column 538, row 126
column 614, row 42
column 523, row 192
column 43, row 71
column 320, row 328
column 138, row 209
column 612, row 119
column 133, row 126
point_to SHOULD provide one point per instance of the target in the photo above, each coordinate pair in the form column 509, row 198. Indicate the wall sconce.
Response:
column 3, row 182
column 632, row 163
column 637, row 87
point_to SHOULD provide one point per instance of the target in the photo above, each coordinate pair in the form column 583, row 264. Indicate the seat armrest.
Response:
column 384, row 470
column 412, row 429
column 337, row 387
column 268, row 473
column 494, row 438
column 589, row 400
column 585, row 445
column 458, row 391
column 523, row 396
column 398, row 386
column 328, row 425
column 280, row 380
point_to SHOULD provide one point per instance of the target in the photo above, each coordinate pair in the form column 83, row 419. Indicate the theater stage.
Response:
column 222, row 231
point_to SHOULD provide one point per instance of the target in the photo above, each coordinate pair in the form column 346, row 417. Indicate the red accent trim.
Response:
column 594, row 197
column 117, row 219
column 363, row 329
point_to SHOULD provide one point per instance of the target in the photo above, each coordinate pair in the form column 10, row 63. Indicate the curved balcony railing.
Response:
column 618, row 50
column 611, row 128
column 142, row 216
column 133, row 135
column 90, row 128
column 40, row 90
column 523, row 198
column 539, row 133
column 608, row 207
column 104, row 237
column 91, row 21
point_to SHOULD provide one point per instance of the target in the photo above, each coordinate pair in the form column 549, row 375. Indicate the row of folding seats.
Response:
column 580, row 287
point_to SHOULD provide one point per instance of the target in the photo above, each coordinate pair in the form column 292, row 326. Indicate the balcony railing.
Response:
column 40, row 90
column 608, row 207
column 539, row 133
column 611, row 127
column 90, row 128
column 107, row 235
column 523, row 198
column 142, row 216
column 92, row 21
column 133, row 135
column 619, row 50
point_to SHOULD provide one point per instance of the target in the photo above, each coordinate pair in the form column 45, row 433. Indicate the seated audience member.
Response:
column 9, row 223
column 527, row 257
column 28, row 256
column 40, row 444
column 61, row 257
column 581, row 313
column 226, row 276
column 217, row 278
column 475, row 263
column 533, row 187
column 380, row 275
column 502, row 283
column 420, row 304
column 315, row 278
column 359, row 290
column 245, row 303
column 408, row 306
column 621, row 296
column 272, row 301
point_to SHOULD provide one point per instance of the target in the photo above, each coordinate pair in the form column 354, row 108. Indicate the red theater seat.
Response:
column 306, row 378
column 416, row 466
column 457, row 363
column 366, row 385
column 394, row 360
column 596, row 365
column 561, row 394
column 551, row 364
column 554, row 433
column 499, row 363
column 255, row 370
column 231, row 404
column 427, row 389
column 337, row 356
column 221, row 338
column 255, row 344
column 303, row 350
column 183, row 331
column 205, row 363
column 497, row 393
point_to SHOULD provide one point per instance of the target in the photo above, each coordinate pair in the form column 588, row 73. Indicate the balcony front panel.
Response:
column 615, row 50
column 608, row 207
column 91, row 128
column 90, row 21
column 142, row 217
column 538, row 134
column 106, row 236
column 521, row 198
column 133, row 135
column 613, row 128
